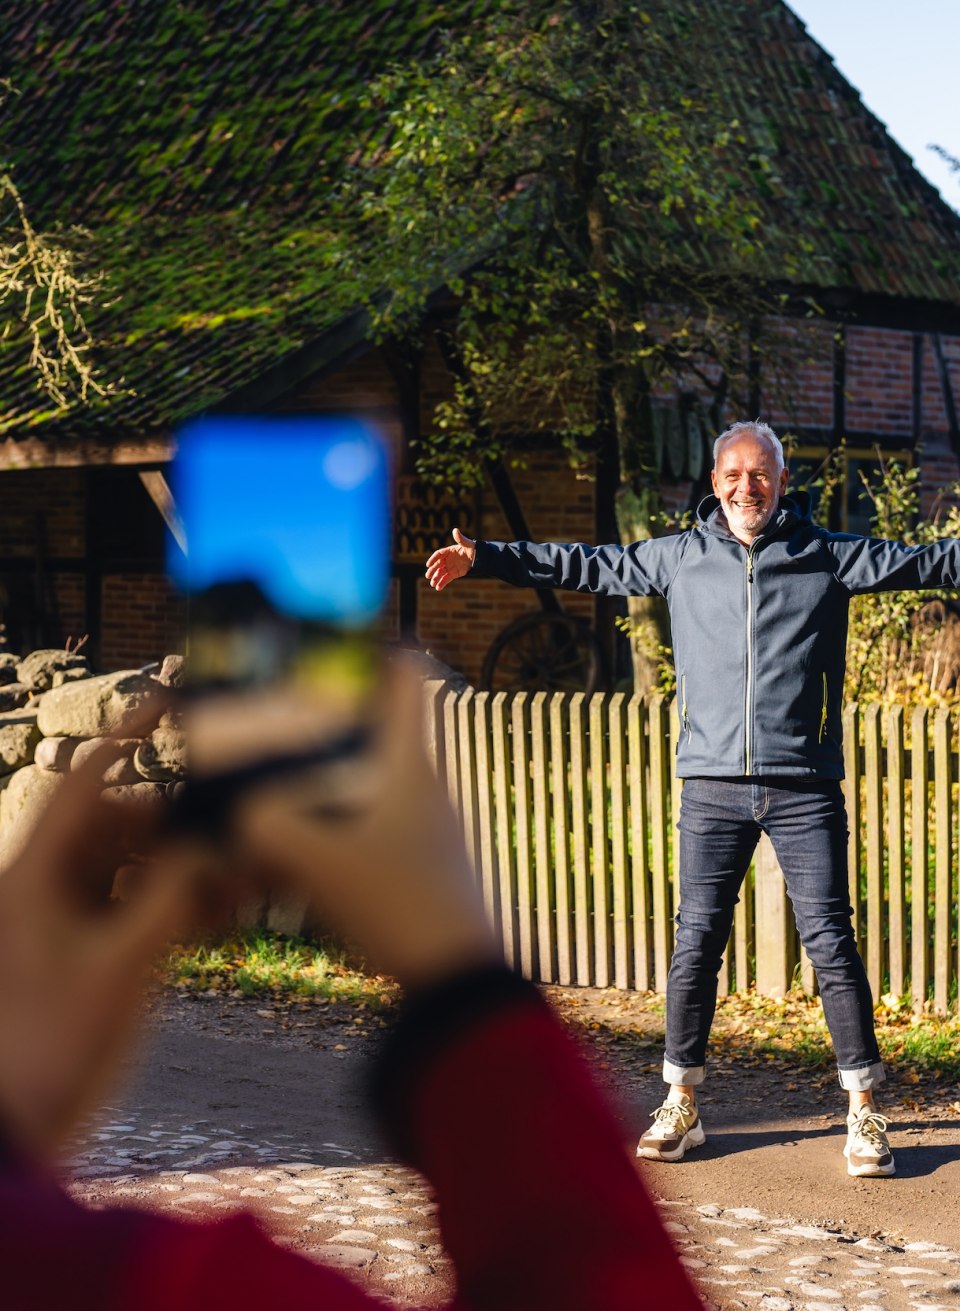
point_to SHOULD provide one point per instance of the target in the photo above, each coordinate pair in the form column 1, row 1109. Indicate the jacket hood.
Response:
column 794, row 508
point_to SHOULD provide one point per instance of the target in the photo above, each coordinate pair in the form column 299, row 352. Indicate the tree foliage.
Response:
column 45, row 287
column 581, row 191
column 590, row 203
column 901, row 647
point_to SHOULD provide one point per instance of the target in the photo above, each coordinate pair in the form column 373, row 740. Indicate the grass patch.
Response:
column 260, row 963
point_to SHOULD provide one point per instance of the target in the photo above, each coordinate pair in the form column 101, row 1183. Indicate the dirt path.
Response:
column 235, row 1104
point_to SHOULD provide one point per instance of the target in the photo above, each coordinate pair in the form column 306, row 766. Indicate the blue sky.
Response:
column 902, row 56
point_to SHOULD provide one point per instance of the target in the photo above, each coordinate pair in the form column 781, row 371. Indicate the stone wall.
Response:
column 55, row 713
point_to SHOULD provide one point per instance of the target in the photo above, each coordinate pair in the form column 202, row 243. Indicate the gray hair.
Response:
column 752, row 429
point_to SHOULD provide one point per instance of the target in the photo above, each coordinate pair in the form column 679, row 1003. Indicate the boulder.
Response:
column 141, row 793
column 162, row 756
column 21, row 714
column 8, row 660
column 116, row 758
column 172, row 671
column 13, row 695
column 37, row 669
column 55, row 753
column 23, row 803
column 17, row 745
column 62, row 676
column 98, row 706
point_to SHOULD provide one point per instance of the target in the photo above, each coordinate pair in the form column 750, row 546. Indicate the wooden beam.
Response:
column 36, row 453
column 158, row 489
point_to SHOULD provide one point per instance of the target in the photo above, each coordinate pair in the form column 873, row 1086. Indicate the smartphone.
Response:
column 285, row 570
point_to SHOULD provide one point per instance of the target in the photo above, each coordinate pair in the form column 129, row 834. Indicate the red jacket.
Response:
column 539, row 1206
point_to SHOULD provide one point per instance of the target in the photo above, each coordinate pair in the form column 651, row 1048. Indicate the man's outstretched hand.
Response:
column 451, row 562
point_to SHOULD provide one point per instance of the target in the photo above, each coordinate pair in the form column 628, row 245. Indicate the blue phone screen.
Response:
column 296, row 505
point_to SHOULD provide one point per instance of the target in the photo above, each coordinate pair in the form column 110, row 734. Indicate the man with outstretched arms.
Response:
column 758, row 598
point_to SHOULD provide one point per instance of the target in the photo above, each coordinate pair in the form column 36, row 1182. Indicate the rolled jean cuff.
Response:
column 684, row 1075
column 863, row 1078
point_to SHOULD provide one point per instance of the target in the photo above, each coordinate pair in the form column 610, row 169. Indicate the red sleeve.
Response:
column 539, row 1205
column 56, row 1254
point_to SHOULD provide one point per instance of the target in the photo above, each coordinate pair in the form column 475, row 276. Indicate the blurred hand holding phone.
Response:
column 285, row 571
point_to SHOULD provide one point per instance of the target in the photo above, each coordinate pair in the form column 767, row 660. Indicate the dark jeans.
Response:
column 720, row 825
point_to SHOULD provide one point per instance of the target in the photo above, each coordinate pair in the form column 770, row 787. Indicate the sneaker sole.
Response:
column 868, row 1171
column 695, row 1137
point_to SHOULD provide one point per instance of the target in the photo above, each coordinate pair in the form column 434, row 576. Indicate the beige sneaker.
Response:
column 867, row 1150
column 676, row 1126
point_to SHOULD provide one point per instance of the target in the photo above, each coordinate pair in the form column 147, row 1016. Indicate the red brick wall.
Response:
column 879, row 381
column 143, row 620
column 55, row 498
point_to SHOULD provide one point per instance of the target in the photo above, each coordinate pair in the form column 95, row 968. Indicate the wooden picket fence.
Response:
column 568, row 806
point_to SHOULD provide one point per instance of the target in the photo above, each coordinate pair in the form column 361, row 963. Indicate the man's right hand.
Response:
column 451, row 562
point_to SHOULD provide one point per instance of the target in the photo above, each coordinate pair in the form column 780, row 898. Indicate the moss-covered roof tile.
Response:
column 198, row 141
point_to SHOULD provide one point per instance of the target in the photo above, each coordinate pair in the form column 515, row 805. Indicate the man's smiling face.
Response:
column 749, row 483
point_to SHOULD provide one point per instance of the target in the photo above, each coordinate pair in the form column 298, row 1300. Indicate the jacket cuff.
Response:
column 484, row 561
column 431, row 1022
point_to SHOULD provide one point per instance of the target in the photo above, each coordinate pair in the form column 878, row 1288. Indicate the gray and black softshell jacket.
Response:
column 759, row 635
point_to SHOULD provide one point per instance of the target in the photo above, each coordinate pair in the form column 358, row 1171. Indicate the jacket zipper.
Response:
column 823, row 711
column 749, row 690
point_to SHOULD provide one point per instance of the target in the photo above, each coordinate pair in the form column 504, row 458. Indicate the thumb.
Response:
column 461, row 540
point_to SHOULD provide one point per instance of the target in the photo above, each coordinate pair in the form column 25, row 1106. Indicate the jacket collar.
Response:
column 792, row 510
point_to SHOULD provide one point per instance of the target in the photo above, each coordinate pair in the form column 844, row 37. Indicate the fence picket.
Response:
column 486, row 809
column 851, row 788
column 583, row 935
column 639, row 857
column 506, row 862
column 896, row 863
column 467, row 760
column 521, row 828
column 560, row 787
column 616, row 726
column 943, row 854
column 543, row 864
column 600, row 863
column 660, row 833
column 568, row 808
column 873, row 787
column 919, row 857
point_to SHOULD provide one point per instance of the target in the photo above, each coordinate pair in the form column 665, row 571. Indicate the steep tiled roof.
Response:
column 198, row 142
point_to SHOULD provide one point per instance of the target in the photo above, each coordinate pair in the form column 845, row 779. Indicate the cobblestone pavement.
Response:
column 236, row 1105
column 376, row 1220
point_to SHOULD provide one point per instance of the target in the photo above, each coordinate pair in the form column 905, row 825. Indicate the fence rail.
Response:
column 568, row 805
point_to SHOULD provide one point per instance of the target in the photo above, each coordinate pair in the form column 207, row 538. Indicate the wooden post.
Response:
column 776, row 930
